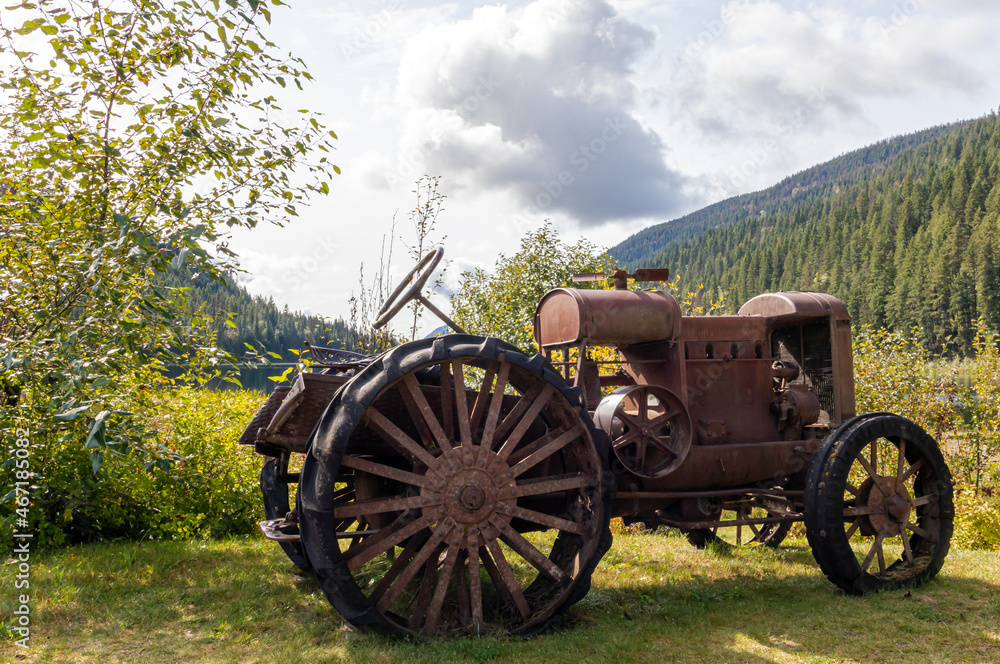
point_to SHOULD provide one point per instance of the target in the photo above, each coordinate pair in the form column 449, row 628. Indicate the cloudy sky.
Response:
column 603, row 116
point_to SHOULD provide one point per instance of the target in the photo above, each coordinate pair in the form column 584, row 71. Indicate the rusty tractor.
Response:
column 458, row 485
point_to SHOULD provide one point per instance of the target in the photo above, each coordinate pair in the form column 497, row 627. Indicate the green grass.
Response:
column 654, row 599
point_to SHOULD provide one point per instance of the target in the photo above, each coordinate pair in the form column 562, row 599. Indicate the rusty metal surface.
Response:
column 790, row 307
column 264, row 414
column 612, row 318
column 301, row 408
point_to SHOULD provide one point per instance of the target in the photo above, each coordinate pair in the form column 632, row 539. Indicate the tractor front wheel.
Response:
column 878, row 505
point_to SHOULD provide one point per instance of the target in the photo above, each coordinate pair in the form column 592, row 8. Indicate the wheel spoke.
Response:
column 396, row 437
column 398, row 566
column 917, row 465
column 475, row 584
column 366, row 466
column 545, row 448
column 881, row 561
column 906, row 545
column 419, row 605
column 444, row 578
column 424, row 408
column 539, row 485
column 462, row 589
column 920, row 532
column 627, row 439
column 482, row 399
column 527, row 550
column 493, row 415
column 901, row 460
column 393, row 534
column 419, row 560
column 861, row 511
column 382, row 505
column 447, row 416
column 926, row 499
column 513, row 418
column 633, row 423
column 462, row 406
column 873, row 470
column 853, row 490
column 853, row 528
column 661, row 420
column 869, row 468
column 526, row 421
column 507, row 577
column 877, row 546
column 544, row 519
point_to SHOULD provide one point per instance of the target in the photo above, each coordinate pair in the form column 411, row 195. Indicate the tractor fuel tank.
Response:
column 605, row 317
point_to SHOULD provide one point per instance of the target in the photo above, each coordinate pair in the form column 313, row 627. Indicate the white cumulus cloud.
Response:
column 538, row 102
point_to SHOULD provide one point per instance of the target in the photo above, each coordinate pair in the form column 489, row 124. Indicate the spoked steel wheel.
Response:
column 751, row 534
column 479, row 479
column 878, row 505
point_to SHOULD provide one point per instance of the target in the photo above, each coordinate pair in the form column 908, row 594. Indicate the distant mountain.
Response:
column 640, row 249
column 260, row 323
column 906, row 232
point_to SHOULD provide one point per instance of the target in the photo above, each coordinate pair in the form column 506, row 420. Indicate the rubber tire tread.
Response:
column 824, row 492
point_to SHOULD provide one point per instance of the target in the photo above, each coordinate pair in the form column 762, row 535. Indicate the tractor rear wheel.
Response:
column 482, row 483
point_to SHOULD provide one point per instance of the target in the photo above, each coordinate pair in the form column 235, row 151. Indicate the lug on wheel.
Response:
column 477, row 480
column 878, row 504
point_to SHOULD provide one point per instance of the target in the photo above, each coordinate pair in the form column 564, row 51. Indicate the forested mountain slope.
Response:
column 905, row 232
column 258, row 320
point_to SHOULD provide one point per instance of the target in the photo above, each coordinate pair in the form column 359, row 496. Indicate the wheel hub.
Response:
column 472, row 497
column 891, row 502
column 470, row 490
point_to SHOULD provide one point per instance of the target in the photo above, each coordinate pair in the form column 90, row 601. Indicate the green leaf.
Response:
column 178, row 262
column 70, row 415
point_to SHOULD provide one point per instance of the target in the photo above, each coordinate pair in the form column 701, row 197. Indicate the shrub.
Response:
column 211, row 490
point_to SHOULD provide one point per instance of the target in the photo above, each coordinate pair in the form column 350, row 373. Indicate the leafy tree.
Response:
column 502, row 304
column 135, row 135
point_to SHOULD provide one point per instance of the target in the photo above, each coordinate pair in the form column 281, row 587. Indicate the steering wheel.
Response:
column 407, row 291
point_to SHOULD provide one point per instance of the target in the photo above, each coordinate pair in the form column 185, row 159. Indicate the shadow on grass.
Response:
column 235, row 600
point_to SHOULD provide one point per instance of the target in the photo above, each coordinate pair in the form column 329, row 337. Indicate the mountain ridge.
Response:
column 641, row 248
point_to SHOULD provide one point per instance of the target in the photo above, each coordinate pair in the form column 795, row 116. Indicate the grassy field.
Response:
column 654, row 599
